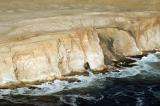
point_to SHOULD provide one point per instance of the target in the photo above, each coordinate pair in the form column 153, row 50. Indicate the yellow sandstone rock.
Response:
column 43, row 40
column 51, row 55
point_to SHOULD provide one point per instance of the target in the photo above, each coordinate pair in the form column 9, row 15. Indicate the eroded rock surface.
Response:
column 45, row 42
column 50, row 55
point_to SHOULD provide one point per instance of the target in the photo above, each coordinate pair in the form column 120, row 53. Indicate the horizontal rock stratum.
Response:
column 41, row 41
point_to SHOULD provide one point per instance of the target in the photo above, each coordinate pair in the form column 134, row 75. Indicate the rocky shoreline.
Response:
column 42, row 46
column 63, row 54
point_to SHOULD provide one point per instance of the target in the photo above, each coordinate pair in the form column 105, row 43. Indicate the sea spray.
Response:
column 108, row 87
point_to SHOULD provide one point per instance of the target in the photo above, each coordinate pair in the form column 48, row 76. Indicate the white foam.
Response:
column 124, row 73
column 150, row 58
column 55, row 86
column 72, row 99
column 49, row 88
column 139, row 102
column 149, row 65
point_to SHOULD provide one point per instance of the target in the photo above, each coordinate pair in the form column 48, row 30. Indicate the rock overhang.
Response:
column 42, row 41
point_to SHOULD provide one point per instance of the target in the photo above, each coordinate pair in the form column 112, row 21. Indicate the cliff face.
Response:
column 49, row 56
column 37, row 45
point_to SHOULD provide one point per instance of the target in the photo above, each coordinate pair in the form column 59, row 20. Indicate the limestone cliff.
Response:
column 46, row 42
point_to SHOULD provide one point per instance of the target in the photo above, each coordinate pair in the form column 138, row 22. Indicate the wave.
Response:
column 144, row 67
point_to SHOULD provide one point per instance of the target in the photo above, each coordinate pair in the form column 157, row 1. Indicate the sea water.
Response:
column 138, row 85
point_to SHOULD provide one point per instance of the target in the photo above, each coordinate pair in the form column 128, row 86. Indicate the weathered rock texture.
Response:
column 46, row 40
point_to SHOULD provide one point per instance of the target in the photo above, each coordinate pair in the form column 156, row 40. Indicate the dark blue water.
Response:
column 138, row 85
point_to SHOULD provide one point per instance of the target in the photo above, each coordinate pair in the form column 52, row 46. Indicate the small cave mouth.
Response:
column 87, row 66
